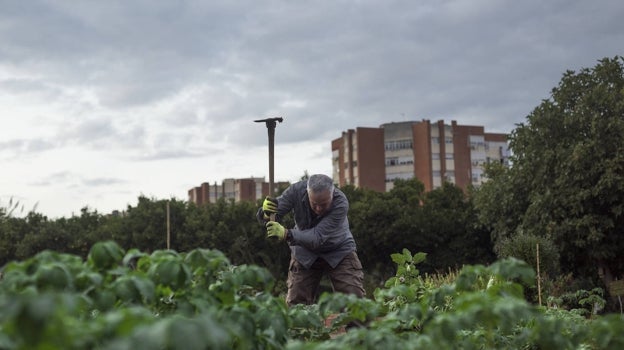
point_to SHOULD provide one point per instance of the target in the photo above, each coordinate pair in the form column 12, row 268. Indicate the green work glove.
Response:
column 269, row 206
column 274, row 229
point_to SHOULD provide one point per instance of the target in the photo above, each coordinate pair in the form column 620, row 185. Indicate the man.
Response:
column 320, row 242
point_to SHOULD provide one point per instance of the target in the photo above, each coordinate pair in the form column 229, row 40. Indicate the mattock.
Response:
column 271, row 123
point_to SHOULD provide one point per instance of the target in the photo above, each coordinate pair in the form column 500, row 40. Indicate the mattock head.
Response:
column 270, row 122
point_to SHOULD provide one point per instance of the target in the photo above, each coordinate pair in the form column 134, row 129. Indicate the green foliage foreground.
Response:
column 198, row 300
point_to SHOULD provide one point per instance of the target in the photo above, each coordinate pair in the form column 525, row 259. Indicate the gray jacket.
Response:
column 326, row 237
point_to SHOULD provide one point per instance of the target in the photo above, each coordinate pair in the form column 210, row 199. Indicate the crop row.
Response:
column 198, row 300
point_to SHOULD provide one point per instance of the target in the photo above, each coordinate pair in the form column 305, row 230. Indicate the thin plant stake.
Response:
column 539, row 288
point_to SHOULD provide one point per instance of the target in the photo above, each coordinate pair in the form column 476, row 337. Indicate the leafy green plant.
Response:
column 583, row 302
column 199, row 300
column 406, row 273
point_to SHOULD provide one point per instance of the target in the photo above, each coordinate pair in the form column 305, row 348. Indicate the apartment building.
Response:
column 245, row 189
column 431, row 152
column 205, row 193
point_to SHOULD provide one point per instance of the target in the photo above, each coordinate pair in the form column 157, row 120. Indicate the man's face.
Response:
column 320, row 202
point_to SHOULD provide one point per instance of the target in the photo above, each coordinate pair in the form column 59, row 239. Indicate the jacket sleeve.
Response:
column 286, row 202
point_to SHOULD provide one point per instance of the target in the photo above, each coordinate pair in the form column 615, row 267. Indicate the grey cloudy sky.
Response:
column 102, row 101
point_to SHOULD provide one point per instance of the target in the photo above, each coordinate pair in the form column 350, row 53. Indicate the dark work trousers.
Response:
column 347, row 277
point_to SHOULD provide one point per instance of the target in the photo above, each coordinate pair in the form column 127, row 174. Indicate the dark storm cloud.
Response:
column 325, row 66
column 133, row 52
column 378, row 63
column 125, row 83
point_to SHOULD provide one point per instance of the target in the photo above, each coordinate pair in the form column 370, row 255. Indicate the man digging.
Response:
column 320, row 243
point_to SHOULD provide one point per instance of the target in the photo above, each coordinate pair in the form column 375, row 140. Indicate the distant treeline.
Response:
column 442, row 223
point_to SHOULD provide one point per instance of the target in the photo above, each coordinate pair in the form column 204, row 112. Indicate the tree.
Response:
column 145, row 226
column 371, row 219
column 441, row 223
column 566, row 182
column 79, row 232
column 451, row 231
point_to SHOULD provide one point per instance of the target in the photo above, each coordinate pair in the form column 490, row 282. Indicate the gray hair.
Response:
column 320, row 183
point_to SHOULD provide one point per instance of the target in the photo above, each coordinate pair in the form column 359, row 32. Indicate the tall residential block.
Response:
column 431, row 152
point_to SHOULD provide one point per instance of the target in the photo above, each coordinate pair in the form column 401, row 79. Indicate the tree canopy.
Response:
column 566, row 182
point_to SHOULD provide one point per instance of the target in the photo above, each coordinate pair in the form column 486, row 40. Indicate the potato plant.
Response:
column 118, row 299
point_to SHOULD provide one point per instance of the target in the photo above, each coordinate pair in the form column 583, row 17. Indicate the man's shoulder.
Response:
column 340, row 198
column 339, row 193
column 300, row 186
column 296, row 189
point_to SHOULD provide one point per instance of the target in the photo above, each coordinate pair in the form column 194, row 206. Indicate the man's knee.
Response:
column 348, row 277
column 298, row 295
column 302, row 284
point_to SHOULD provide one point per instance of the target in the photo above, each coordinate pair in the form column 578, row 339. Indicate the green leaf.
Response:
column 132, row 256
column 54, row 276
column 133, row 288
column 105, row 255
column 398, row 258
column 172, row 273
column 419, row 257
column 408, row 255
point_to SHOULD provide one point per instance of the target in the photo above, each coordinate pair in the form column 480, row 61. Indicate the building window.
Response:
column 392, row 161
column 435, row 140
column 477, row 145
column 448, row 140
column 478, row 161
column 398, row 145
column 435, row 156
column 449, row 155
column 406, row 160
